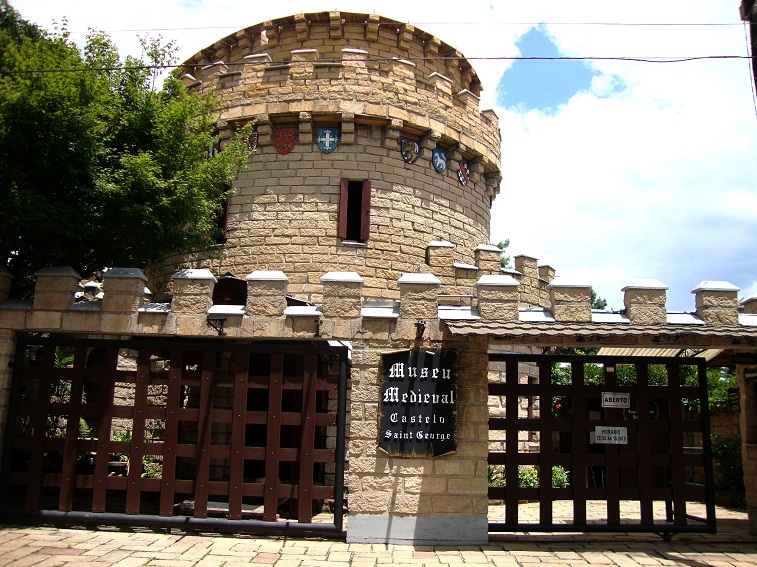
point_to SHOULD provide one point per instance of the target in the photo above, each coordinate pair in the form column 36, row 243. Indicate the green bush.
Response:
column 528, row 477
column 559, row 477
column 726, row 453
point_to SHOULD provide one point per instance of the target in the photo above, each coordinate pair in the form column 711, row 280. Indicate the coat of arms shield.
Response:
column 439, row 160
column 251, row 141
column 327, row 139
column 284, row 139
column 463, row 174
column 409, row 150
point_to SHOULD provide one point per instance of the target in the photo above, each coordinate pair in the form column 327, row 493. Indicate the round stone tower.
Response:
column 370, row 146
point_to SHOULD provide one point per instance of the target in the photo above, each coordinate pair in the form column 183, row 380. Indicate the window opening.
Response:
column 354, row 210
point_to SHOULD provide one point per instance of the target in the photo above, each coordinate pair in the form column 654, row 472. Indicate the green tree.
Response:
column 597, row 302
column 504, row 259
column 97, row 168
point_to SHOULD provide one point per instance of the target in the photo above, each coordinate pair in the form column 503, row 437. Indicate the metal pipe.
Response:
column 184, row 523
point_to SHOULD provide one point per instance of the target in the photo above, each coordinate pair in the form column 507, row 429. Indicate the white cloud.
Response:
column 654, row 180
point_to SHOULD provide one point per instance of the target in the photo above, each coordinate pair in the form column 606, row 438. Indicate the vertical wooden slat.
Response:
column 104, row 430
column 137, row 447
column 676, row 444
column 546, row 423
column 644, row 447
column 171, row 435
column 512, row 389
column 612, row 462
column 580, row 439
column 307, row 439
column 238, row 425
column 204, row 425
column 68, row 471
column 44, row 391
column 273, row 438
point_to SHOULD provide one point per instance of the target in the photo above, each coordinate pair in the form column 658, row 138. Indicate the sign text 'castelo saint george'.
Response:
column 418, row 403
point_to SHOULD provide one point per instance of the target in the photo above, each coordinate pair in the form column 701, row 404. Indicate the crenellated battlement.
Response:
column 367, row 70
column 495, row 300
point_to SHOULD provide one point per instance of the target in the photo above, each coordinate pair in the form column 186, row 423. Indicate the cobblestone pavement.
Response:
column 105, row 547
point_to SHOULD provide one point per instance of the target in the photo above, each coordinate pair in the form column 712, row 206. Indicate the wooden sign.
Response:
column 610, row 435
column 418, row 403
column 734, row 400
column 616, row 400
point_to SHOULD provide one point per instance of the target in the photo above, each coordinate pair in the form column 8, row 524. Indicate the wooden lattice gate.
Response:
column 630, row 435
column 210, row 434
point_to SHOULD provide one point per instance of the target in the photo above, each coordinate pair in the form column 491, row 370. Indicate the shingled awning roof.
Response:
column 726, row 336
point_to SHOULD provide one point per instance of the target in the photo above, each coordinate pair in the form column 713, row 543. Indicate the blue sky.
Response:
column 541, row 84
column 612, row 170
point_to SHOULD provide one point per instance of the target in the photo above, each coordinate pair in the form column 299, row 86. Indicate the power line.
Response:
column 457, row 23
column 386, row 59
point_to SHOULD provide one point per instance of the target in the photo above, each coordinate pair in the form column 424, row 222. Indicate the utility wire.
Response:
column 472, row 23
column 385, row 59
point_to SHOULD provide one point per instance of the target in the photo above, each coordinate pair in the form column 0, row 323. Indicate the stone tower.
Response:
column 406, row 157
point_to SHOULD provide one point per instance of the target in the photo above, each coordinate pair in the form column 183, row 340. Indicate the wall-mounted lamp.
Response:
column 217, row 323
column 318, row 323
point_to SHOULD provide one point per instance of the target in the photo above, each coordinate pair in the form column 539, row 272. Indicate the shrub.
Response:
column 528, row 477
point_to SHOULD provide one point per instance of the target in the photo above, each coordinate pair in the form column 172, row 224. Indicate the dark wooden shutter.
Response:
column 342, row 222
column 365, row 221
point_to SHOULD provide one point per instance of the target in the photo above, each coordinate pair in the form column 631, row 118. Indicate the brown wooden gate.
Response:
column 207, row 434
column 629, row 469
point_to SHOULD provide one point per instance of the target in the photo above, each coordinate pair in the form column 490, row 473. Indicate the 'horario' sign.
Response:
column 418, row 403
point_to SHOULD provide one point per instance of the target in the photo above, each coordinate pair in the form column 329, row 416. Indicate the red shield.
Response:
column 284, row 139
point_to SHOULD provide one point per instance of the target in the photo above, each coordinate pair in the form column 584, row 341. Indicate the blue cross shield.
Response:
column 327, row 139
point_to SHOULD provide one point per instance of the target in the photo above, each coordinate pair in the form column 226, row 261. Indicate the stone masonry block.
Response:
column 717, row 302
column 55, row 287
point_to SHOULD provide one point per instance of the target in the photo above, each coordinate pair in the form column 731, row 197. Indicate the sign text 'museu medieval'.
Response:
column 418, row 403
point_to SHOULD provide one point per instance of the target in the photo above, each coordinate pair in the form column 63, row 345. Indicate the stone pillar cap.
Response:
column 562, row 281
column 644, row 284
column 193, row 274
column 269, row 275
column 5, row 272
column 343, row 277
column 715, row 285
column 125, row 273
column 488, row 248
column 430, row 279
column 440, row 244
column 57, row 271
column 505, row 281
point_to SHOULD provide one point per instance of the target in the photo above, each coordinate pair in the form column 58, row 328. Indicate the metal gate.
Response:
column 630, row 435
column 194, row 434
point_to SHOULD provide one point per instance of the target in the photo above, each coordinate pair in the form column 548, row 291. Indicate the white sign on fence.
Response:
column 610, row 435
column 616, row 400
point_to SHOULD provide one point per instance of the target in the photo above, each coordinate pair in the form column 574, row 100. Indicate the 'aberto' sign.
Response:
column 418, row 403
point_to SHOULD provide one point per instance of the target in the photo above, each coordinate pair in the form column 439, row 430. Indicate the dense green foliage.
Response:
column 719, row 380
column 528, row 476
column 504, row 260
column 97, row 168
